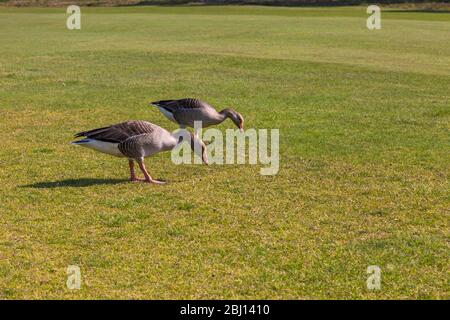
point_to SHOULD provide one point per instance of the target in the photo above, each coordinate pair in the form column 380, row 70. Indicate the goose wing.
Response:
column 136, row 147
column 120, row 132
column 173, row 106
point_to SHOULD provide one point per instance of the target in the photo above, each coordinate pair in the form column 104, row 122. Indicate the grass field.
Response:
column 364, row 147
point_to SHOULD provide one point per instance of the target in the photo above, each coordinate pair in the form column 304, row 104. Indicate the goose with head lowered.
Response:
column 185, row 112
column 137, row 140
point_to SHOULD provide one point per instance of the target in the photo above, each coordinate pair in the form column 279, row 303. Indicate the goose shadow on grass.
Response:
column 83, row 182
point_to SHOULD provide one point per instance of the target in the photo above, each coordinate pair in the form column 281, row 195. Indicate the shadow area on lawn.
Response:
column 83, row 182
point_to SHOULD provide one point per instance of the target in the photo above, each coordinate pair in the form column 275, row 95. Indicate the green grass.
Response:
column 364, row 135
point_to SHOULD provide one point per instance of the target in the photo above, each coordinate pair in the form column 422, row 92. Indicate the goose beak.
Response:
column 241, row 129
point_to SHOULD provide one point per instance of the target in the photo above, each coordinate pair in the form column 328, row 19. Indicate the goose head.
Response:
column 235, row 116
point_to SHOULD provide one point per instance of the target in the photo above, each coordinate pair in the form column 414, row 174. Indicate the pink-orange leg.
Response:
column 133, row 177
column 148, row 178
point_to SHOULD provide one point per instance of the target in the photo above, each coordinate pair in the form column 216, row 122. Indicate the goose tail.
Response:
column 160, row 103
column 81, row 142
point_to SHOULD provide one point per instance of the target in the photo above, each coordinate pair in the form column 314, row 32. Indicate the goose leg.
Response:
column 148, row 178
column 133, row 177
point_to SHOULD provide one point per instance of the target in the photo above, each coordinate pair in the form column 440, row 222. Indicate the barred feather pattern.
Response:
column 187, row 103
column 119, row 132
column 133, row 147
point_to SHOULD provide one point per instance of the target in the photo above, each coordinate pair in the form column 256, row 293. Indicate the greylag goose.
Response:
column 185, row 111
column 136, row 140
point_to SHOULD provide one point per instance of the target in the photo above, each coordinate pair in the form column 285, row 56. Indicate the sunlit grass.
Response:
column 364, row 134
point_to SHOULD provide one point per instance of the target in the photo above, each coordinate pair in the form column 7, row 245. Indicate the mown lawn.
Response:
column 364, row 170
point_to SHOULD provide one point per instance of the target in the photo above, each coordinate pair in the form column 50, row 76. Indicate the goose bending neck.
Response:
column 223, row 114
column 196, row 144
column 179, row 137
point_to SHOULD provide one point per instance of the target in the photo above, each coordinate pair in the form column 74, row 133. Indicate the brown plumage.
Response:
column 133, row 147
column 119, row 132
column 186, row 103
column 185, row 112
column 135, row 140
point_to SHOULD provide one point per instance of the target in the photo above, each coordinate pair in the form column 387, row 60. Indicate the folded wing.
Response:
column 181, row 104
column 119, row 132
